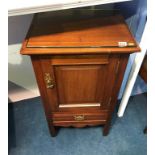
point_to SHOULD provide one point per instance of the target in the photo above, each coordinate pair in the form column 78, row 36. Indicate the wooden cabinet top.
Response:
column 77, row 32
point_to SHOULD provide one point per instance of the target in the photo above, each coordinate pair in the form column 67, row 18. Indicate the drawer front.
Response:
column 80, row 59
column 73, row 119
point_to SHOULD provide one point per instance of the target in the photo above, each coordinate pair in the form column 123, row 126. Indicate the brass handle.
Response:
column 79, row 118
column 49, row 81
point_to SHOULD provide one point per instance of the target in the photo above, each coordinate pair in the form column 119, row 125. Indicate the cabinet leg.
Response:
column 106, row 128
column 145, row 130
column 53, row 130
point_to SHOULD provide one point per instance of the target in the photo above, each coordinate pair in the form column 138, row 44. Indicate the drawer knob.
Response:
column 49, row 81
column 79, row 117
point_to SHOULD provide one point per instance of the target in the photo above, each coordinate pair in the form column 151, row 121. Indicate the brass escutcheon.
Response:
column 79, row 118
column 49, row 81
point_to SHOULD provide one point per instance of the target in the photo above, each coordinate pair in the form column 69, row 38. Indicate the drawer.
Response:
column 79, row 119
column 76, row 117
column 83, row 59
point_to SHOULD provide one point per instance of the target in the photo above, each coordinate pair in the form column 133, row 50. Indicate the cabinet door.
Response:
column 79, row 82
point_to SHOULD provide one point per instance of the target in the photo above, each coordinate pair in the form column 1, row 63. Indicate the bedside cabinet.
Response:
column 79, row 60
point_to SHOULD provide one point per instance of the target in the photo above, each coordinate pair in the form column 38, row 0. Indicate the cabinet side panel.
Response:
column 40, row 81
column 41, row 84
column 47, row 69
column 109, row 82
column 118, row 81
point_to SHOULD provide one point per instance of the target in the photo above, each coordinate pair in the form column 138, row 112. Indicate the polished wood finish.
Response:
column 78, row 34
column 98, row 32
column 41, row 84
column 119, row 78
column 79, row 67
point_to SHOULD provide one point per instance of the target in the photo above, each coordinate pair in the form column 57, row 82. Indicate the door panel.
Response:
column 81, row 85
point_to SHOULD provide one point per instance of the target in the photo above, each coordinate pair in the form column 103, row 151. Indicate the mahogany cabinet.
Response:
column 79, row 59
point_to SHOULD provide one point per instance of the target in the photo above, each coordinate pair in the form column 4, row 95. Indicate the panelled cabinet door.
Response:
column 81, row 82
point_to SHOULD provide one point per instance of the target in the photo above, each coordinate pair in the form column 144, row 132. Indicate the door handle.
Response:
column 49, row 81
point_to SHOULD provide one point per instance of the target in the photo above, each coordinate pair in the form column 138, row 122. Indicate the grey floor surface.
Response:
column 29, row 135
